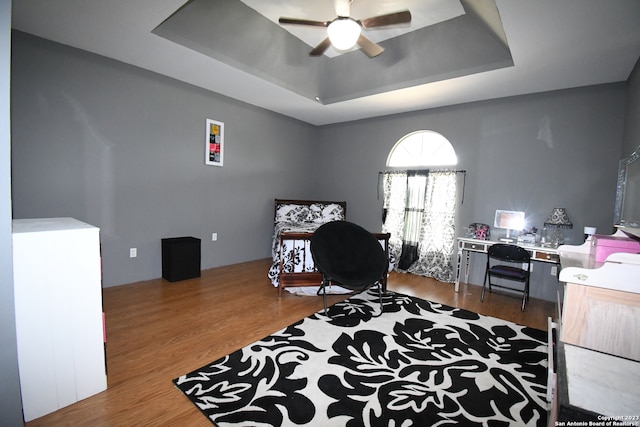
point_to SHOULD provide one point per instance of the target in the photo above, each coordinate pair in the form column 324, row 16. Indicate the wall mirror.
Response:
column 627, row 212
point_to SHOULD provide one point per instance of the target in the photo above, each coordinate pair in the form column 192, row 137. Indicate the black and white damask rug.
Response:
column 418, row 364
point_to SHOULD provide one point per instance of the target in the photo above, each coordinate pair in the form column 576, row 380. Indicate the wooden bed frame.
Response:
column 288, row 279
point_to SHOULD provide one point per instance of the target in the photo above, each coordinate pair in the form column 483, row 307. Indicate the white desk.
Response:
column 466, row 246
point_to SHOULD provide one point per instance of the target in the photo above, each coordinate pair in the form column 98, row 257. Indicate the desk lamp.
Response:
column 558, row 220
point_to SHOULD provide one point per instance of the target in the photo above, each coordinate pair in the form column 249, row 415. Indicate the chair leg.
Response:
column 484, row 285
column 380, row 297
column 323, row 288
column 525, row 294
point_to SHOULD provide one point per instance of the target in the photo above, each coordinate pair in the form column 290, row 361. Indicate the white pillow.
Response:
column 315, row 213
column 292, row 213
column 332, row 212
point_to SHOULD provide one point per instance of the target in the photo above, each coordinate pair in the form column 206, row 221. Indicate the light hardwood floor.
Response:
column 157, row 331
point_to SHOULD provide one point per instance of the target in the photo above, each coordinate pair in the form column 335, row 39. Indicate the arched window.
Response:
column 420, row 204
column 422, row 148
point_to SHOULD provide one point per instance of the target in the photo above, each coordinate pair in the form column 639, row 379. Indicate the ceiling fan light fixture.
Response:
column 343, row 33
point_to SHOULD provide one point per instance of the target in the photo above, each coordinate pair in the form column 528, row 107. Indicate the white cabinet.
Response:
column 598, row 352
column 58, row 306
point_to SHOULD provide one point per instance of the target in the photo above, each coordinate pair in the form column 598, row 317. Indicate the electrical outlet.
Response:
column 133, row 252
column 554, row 270
column 214, row 237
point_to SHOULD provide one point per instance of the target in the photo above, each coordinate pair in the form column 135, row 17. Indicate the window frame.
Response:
column 443, row 148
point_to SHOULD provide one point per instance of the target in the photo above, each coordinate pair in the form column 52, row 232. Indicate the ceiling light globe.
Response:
column 343, row 33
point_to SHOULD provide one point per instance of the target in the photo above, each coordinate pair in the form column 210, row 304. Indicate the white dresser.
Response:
column 58, row 306
column 598, row 351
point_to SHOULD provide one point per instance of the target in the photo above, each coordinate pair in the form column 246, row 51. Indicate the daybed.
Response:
column 294, row 224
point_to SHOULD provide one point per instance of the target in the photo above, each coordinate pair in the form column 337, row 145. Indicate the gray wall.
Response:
column 10, row 401
column 123, row 149
column 512, row 162
column 632, row 120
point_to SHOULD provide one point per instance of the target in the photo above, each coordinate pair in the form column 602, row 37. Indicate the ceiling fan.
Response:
column 344, row 32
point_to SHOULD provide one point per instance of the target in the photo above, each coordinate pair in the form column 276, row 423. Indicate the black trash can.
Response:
column 180, row 258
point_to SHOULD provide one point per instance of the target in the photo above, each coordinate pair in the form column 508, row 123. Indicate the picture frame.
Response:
column 214, row 143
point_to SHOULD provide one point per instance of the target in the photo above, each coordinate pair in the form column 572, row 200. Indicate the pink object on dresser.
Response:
column 604, row 245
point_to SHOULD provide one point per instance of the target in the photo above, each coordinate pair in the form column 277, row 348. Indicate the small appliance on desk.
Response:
column 527, row 239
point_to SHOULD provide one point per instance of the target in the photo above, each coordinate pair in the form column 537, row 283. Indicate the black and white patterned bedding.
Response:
column 301, row 219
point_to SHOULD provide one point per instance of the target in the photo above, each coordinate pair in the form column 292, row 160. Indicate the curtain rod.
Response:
column 422, row 170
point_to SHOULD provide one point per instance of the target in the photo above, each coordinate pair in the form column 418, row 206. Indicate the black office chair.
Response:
column 512, row 255
column 349, row 256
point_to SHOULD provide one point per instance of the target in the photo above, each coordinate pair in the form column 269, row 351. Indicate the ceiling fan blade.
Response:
column 370, row 48
column 389, row 19
column 320, row 49
column 295, row 21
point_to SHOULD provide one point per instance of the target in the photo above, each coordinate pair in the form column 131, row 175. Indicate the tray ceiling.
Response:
column 454, row 51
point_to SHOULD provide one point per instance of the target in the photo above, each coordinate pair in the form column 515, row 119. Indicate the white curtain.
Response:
column 419, row 212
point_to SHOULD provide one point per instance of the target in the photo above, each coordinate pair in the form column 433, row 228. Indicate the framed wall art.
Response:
column 214, row 143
